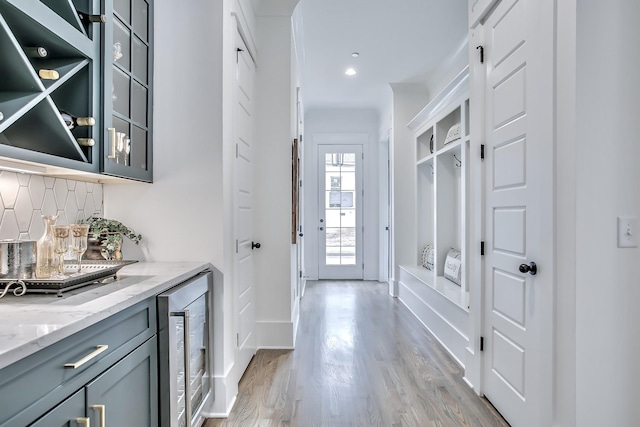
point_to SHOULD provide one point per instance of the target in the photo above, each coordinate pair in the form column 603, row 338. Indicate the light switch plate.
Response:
column 627, row 232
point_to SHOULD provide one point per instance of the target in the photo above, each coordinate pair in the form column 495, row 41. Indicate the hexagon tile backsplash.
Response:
column 24, row 198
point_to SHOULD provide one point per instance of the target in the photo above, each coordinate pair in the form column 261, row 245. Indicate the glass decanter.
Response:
column 46, row 259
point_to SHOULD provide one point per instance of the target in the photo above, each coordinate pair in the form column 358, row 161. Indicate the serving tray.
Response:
column 93, row 272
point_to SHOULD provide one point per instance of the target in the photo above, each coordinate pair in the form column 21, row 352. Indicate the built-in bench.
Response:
column 441, row 306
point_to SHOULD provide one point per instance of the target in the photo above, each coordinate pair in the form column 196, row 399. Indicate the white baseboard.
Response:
column 276, row 334
column 393, row 288
column 225, row 393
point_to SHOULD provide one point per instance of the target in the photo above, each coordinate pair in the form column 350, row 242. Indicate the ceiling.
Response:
column 399, row 41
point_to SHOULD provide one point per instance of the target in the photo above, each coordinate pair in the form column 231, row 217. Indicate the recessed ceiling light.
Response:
column 355, row 54
column 350, row 72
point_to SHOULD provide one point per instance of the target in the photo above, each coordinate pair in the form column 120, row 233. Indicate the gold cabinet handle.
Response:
column 102, row 409
column 99, row 349
column 112, row 142
column 86, row 422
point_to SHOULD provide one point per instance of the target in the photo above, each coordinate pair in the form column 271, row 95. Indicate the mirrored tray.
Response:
column 93, row 272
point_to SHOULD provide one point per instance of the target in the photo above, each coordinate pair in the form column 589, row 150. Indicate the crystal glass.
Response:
column 79, row 235
column 46, row 264
column 60, row 245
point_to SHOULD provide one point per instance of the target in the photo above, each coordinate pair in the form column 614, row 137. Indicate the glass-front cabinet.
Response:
column 127, row 114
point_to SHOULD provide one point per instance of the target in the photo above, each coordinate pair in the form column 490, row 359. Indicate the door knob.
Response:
column 321, row 220
column 255, row 245
column 530, row 268
column 321, row 228
column 300, row 234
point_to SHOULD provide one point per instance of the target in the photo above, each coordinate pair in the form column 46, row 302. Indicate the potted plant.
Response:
column 105, row 238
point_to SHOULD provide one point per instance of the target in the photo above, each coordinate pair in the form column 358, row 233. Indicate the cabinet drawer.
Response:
column 30, row 387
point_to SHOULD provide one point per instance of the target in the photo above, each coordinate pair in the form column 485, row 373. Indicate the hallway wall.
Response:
column 608, row 177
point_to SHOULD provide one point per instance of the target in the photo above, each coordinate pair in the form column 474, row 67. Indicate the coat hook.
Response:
column 458, row 161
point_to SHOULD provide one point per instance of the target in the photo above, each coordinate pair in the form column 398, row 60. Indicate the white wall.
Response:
column 408, row 100
column 608, row 177
column 323, row 124
column 565, row 340
column 275, row 261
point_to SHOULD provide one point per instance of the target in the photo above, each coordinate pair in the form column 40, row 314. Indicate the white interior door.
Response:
column 243, row 205
column 340, row 212
column 517, row 338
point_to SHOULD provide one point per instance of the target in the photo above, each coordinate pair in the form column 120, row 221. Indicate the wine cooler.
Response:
column 184, row 347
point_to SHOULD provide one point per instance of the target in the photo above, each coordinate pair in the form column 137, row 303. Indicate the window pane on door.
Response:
column 340, row 208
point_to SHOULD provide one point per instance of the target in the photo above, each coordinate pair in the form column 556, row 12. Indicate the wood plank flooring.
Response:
column 361, row 359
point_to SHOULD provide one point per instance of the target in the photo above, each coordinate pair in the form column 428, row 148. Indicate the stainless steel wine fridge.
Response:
column 184, row 349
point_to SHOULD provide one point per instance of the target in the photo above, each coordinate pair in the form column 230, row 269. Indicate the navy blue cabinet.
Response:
column 128, row 77
column 109, row 369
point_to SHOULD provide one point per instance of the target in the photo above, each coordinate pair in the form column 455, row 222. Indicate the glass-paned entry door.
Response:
column 340, row 215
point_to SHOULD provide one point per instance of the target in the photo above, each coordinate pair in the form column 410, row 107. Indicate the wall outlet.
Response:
column 627, row 232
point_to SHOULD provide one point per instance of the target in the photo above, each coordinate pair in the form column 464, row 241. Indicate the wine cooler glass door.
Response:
column 190, row 366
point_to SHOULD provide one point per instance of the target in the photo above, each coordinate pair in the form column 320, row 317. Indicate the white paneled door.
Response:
column 243, row 206
column 518, row 215
column 340, row 212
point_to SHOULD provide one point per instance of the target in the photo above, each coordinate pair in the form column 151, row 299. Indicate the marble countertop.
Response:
column 34, row 321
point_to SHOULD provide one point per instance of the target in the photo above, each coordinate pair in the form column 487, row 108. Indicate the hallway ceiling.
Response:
column 399, row 41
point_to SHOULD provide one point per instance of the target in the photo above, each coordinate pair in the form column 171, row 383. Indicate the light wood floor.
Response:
column 361, row 359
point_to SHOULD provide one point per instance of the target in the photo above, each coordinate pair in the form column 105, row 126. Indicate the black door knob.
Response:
column 531, row 268
column 255, row 245
column 300, row 234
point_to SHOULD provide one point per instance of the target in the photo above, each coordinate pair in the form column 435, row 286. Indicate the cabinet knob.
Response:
column 531, row 268
column 255, row 245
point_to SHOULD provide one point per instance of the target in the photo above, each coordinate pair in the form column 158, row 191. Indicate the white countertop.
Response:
column 34, row 321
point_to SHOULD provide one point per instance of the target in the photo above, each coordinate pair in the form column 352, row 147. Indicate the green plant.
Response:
column 110, row 232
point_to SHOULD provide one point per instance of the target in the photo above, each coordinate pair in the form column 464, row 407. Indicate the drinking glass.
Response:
column 79, row 234
column 60, row 245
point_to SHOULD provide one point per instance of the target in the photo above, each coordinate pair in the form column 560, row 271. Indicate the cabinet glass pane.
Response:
column 140, row 60
column 121, row 45
column 122, row 147
column 138, row 148
column 120, row 92
column 141, row 18
column 123, row 8
column 139, row 103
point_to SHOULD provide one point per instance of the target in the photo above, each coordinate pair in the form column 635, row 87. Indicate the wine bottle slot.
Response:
column 87, row 18
column 36, row 52
column 48, row 74
column 86, row 142
column 72, row 121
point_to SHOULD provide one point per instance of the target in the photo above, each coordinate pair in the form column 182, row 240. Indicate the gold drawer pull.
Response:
column 99, row 349
column 86, row 422
column 102, row 409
